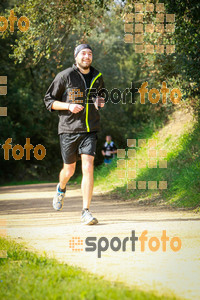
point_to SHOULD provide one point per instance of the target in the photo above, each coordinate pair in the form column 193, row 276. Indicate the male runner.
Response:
column 75, row 93
column 109, row 149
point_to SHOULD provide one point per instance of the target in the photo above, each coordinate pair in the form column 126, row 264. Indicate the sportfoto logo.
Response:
column 129, row 163
column 153, row 30
column 3, row 92
column 116, row 95
column 18, row 151
column 23, row 23
column 74, row 94
column 164, row 91
column 92, row 244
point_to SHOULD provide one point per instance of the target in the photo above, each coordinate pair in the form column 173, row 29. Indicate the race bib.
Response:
column 108, row 153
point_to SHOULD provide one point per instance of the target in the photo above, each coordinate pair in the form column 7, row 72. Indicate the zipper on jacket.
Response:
column 87, row 104
column 88, row 94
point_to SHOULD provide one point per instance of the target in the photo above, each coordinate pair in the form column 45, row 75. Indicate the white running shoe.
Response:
column 88, row 219
column 58, row 199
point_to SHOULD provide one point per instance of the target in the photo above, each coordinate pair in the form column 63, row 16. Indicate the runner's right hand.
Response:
column 75, row 108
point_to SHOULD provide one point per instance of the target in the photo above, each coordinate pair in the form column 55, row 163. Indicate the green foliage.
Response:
column 182, row 173
column 51, row 25
column 183, row 65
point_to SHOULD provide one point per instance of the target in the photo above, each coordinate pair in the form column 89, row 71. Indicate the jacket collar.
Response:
column 94, row 71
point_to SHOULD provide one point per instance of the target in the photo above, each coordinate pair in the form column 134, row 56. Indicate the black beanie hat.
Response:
column 81, row 47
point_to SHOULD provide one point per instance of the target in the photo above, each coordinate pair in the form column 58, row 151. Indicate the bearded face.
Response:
column 84, row 59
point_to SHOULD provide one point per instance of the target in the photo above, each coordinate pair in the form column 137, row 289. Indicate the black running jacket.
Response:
column 71, row 82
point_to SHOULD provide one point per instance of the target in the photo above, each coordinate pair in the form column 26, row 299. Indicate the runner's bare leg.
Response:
column 66, row 173
column 87, row 179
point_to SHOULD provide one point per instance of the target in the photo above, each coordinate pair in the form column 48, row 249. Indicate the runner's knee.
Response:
column 69, row 171
column 87, row 167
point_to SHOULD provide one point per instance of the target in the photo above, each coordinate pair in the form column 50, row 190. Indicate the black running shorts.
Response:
column 74, row 144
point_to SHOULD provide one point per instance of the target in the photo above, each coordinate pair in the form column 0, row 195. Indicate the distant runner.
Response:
column 75, row 93
column 109, row 149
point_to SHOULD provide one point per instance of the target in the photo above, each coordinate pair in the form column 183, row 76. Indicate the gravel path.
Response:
column 30, row 217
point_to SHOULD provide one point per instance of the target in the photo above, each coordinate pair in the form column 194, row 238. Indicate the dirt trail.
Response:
column 30, row 217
